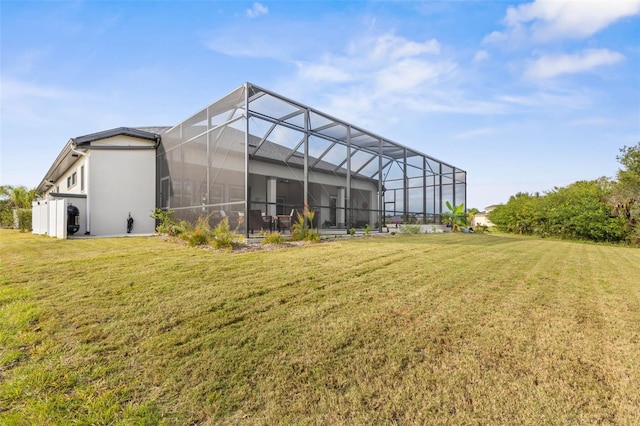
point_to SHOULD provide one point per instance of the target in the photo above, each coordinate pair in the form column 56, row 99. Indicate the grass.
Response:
column 429, row 329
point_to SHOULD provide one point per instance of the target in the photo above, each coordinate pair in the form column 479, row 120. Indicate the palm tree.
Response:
column 5, row 191
column 14, row 198
column 19, row 196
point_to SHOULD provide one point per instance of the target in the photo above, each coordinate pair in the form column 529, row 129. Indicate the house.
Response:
column 252, row 152
column 482, row 218
column 106, row 176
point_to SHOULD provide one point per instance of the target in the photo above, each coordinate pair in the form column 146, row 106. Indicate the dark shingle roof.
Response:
column 136, row 132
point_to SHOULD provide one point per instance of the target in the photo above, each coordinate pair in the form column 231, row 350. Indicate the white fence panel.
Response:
column 38, row 210
column 52, row 218
column 61, row 216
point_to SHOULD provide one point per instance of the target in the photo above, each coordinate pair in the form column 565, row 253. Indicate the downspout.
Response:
column 87, row 188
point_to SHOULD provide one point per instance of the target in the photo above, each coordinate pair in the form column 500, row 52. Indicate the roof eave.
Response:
column 119, row 131
column 84, row 142
column 47, row 180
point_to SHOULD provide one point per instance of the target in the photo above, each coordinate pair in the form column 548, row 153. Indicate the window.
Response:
column 72, row 180
column 82, row 178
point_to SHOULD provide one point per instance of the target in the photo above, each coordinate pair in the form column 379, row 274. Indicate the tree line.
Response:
column 15, row 206
column 602, row 210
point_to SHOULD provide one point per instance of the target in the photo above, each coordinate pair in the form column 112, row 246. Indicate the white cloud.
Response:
column 15, row 90
column 545, row 20
column 370, row 74
column 475, row 133
column 537, row 100
column 404, row 76
column 252, row 47
column 495, row 37
column 481, row 55
column 322, row 72
column 451, row 101
column 260, row 38
column 553, row 65
column 391, row 47
column 34, row 104
column 376, row 75
column 256, row 10
column 380, row 79
column 387, row 60
column 26, row 102
column 593, row 121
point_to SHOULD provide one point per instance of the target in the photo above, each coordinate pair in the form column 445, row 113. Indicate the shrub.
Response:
column 167, row 224
column 634, row 236
column 352, row 231
column 273, row 238
column 198, row 238
column 302, row 229
column 201, row 232
column 24, row 220
column 481, row 229
column 367, row 229
column 223, row 237
column 181, row 229
column 313, row 236
column 410, row 229
column 6, row 218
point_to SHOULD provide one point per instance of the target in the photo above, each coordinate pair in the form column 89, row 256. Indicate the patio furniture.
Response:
column 267, row 222
column 256, row 221
column 285, row 221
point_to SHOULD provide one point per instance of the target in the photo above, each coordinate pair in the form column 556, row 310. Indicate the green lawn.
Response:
column 429, row 329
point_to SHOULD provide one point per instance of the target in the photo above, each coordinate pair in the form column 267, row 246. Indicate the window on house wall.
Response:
column 72, row 180
column 81, row 178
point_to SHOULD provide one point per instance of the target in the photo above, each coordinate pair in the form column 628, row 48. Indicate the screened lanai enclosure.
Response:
column 254, row 156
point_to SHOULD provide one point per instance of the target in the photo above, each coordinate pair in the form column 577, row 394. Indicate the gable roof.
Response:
column 66, row 157
column 148, row 133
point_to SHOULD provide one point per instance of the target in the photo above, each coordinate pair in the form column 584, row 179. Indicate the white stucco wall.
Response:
column 122, row 181
column 362, row 191
column 60, row 186
column 282, row 172
column 481, row 219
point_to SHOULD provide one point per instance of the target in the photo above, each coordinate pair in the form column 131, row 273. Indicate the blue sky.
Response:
column 524, row 96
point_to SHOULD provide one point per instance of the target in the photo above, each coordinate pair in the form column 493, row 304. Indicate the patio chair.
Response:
column 267, row 223
column 285, row 221
column 255, row 220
